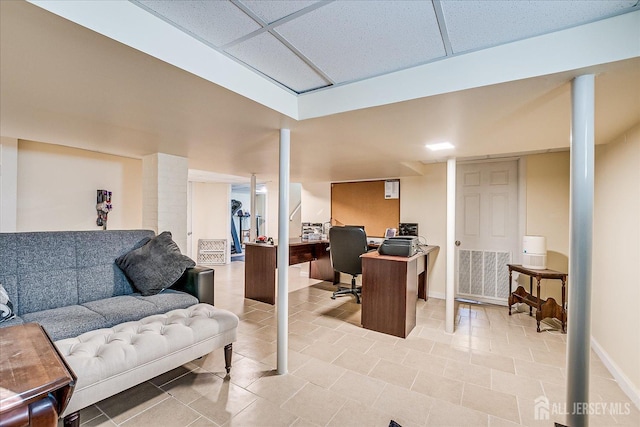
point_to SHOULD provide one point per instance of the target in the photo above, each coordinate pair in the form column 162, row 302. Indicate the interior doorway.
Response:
column 242, row 219
column 487, row 229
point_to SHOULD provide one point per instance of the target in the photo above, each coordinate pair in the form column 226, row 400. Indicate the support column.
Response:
column 253, row 209
column 580, row 249
column 164, row 195
column 282, row 305
column 451, row 249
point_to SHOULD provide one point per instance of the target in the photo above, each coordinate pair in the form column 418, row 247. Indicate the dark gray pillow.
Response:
column 156, row 265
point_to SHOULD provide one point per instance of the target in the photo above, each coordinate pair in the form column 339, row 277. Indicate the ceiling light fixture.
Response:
column 440, row 146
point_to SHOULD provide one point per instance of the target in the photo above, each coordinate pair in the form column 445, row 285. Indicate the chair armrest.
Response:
column 197, row 281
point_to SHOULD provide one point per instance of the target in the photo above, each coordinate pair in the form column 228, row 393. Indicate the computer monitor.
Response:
column 408, row 229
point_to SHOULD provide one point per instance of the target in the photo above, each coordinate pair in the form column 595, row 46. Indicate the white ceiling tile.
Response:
column 271, row 11
column 266, row 54
column 215, row 22
column 474, row 25
column 350, row 40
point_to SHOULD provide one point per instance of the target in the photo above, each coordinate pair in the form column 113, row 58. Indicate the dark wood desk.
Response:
column 35, row 381
column 544, row 308
column 391, row 286
column 260, row 261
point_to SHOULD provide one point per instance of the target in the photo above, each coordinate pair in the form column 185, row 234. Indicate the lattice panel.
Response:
column 483, row 273
column 212, row 251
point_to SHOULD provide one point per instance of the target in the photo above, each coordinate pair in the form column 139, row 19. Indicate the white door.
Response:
column 486, row 228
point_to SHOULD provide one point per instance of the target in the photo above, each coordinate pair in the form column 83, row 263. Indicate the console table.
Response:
column 544, row 308
column 35, row 381
column 260, row 263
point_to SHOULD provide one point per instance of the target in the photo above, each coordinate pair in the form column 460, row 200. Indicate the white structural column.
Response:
column 282, row 305
column 580, row 249
column 164, row 195
column 451, row 249
column 253, row 221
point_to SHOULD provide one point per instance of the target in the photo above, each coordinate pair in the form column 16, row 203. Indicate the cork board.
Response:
column 363, row 203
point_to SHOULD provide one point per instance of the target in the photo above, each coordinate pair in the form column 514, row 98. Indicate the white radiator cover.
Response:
column 484, row 273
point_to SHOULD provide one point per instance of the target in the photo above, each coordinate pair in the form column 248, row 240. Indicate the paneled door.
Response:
column 486, row 229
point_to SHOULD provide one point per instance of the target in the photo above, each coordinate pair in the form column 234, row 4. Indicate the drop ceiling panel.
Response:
column 271, row 11
column 214, row 22
column 266, row 54
column 473, row 25
column 350, row 40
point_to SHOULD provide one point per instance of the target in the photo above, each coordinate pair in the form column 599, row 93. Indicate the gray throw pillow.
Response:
column 6, row 306
column 156, row 265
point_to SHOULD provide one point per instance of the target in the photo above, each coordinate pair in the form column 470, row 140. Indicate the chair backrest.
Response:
column 347, row 244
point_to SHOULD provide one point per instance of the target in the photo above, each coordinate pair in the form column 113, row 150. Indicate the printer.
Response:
column 400, row 246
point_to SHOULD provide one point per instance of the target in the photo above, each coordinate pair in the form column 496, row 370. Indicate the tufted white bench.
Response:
column 108, row 361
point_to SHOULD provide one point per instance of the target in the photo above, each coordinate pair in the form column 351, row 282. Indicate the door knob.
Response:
column 457, row 242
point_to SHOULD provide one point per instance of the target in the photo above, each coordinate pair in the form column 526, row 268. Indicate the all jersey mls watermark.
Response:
column 543, row 409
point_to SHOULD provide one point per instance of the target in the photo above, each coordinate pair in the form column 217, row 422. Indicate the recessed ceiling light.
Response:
column 440, row 146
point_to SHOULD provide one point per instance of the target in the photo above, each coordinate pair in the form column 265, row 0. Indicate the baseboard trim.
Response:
column 625, row 384
column 436, row 295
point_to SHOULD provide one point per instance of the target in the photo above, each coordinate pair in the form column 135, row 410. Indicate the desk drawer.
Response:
column 301, row 253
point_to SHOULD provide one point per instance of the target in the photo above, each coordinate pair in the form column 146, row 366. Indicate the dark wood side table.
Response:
column 35, row 381
column 544, row 308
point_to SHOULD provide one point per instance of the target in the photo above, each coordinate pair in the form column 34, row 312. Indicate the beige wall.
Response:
column 316, row 202
column 615, row 321
column 210, row 214
column 57, row 188
column 547, row 213
column 423, row 199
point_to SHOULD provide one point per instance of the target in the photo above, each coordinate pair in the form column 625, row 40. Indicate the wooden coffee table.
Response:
column 35, row 381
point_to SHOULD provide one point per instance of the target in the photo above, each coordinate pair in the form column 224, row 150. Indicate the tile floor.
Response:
column 490, row 372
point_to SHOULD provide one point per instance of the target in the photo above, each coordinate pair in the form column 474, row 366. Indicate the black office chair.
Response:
column 346, row 244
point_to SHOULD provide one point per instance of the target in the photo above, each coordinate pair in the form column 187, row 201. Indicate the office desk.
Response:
column 391, row 286
column 260, row 262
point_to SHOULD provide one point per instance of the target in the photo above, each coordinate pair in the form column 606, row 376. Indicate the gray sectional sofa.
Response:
column 69, row 283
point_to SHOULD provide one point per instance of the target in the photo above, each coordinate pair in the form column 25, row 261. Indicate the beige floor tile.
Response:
column 203, row 422
column 516, row 384
column 355, row 342
column 356, row 414
column 446, row 414
column 262, row 413
column 404, row 405
column 277, row 388
column 167, row 412
column 493, row 360
column 224, row 403
column 247, row 371
column 394, row 373
column 458, row 354
column 319, row 372
column 545, row 373
column 325, row 334
column 323, row 351
column 356, row 361
column 314, row 404
column 500, row 422
column 99, row 421
column 131, row 402
column 387, row 351
column 482, row 399
column 294, row 360
column 473, row 374
column 358, row 387
column 546, row 357
column 425, row 362
column 439, row 387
